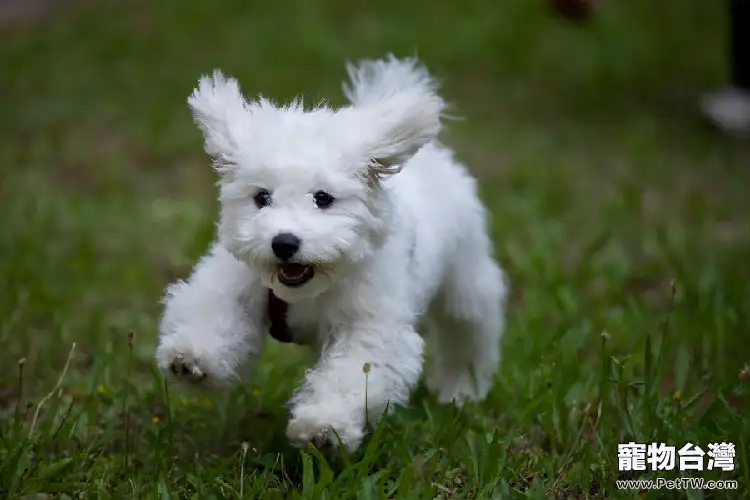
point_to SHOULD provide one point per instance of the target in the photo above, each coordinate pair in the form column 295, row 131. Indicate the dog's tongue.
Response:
column 293, row 271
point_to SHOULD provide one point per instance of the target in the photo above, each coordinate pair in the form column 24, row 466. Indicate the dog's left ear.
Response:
column 221, row 112
column 398, row 101
column 405, row 124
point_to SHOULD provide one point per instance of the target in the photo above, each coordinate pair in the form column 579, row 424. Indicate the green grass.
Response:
column 604, row 187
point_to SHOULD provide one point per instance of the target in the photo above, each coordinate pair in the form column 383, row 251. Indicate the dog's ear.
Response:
column 404, row 123
column 221, row 112
column 399, row 102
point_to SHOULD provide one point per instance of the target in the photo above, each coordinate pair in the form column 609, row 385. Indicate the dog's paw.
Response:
column 313, row 424
column 300, row 433
column 458, row 388
column 182, row 362
column 187, row 368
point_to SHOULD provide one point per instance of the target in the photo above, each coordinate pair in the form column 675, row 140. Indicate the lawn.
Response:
column 622, row 220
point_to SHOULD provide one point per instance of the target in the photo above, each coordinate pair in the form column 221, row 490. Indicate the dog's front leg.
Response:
column 212, row 324
column 363, row 369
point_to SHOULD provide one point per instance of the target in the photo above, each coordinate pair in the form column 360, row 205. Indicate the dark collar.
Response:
column 277, row 309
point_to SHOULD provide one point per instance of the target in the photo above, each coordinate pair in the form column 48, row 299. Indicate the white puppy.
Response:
column 348, row 229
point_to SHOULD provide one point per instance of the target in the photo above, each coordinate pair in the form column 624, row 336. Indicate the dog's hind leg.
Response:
column 465, row 326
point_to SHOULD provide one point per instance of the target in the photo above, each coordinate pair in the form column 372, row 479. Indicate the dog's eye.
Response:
column 323, row 199
column 262, row 198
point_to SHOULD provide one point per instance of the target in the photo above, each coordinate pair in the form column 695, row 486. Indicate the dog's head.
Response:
column 300, row 190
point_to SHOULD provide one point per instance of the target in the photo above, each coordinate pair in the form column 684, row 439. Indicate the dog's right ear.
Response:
column 221, row 112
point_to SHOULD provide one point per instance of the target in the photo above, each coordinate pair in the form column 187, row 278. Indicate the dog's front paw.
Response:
column 190, row 363
column 181, row 362
column 323, row 428
column 458, row 387
column 187, row 368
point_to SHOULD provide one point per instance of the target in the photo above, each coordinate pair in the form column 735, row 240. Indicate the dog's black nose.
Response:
column 285, row 245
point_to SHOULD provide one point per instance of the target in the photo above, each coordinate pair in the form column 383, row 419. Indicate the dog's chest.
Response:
column 299, row 323
column 304, row 327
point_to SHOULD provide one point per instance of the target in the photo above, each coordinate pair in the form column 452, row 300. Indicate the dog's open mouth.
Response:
column 295, row 274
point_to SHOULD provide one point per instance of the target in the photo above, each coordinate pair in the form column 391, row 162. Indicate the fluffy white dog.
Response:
column 347, row 229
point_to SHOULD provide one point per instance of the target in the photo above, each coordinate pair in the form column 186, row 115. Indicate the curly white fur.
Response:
column 404, row 247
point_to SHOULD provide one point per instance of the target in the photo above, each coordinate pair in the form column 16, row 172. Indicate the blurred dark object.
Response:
column 740, row 32
column 574, row 10
column 18, row 12
column 729, row 108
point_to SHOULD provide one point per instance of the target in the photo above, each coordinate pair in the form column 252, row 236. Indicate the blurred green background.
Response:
column 603, row 182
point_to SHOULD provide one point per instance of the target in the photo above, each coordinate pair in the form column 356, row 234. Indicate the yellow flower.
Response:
column 101, row 389
column 256, row 393
column 156, row 420
column 678, row 394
